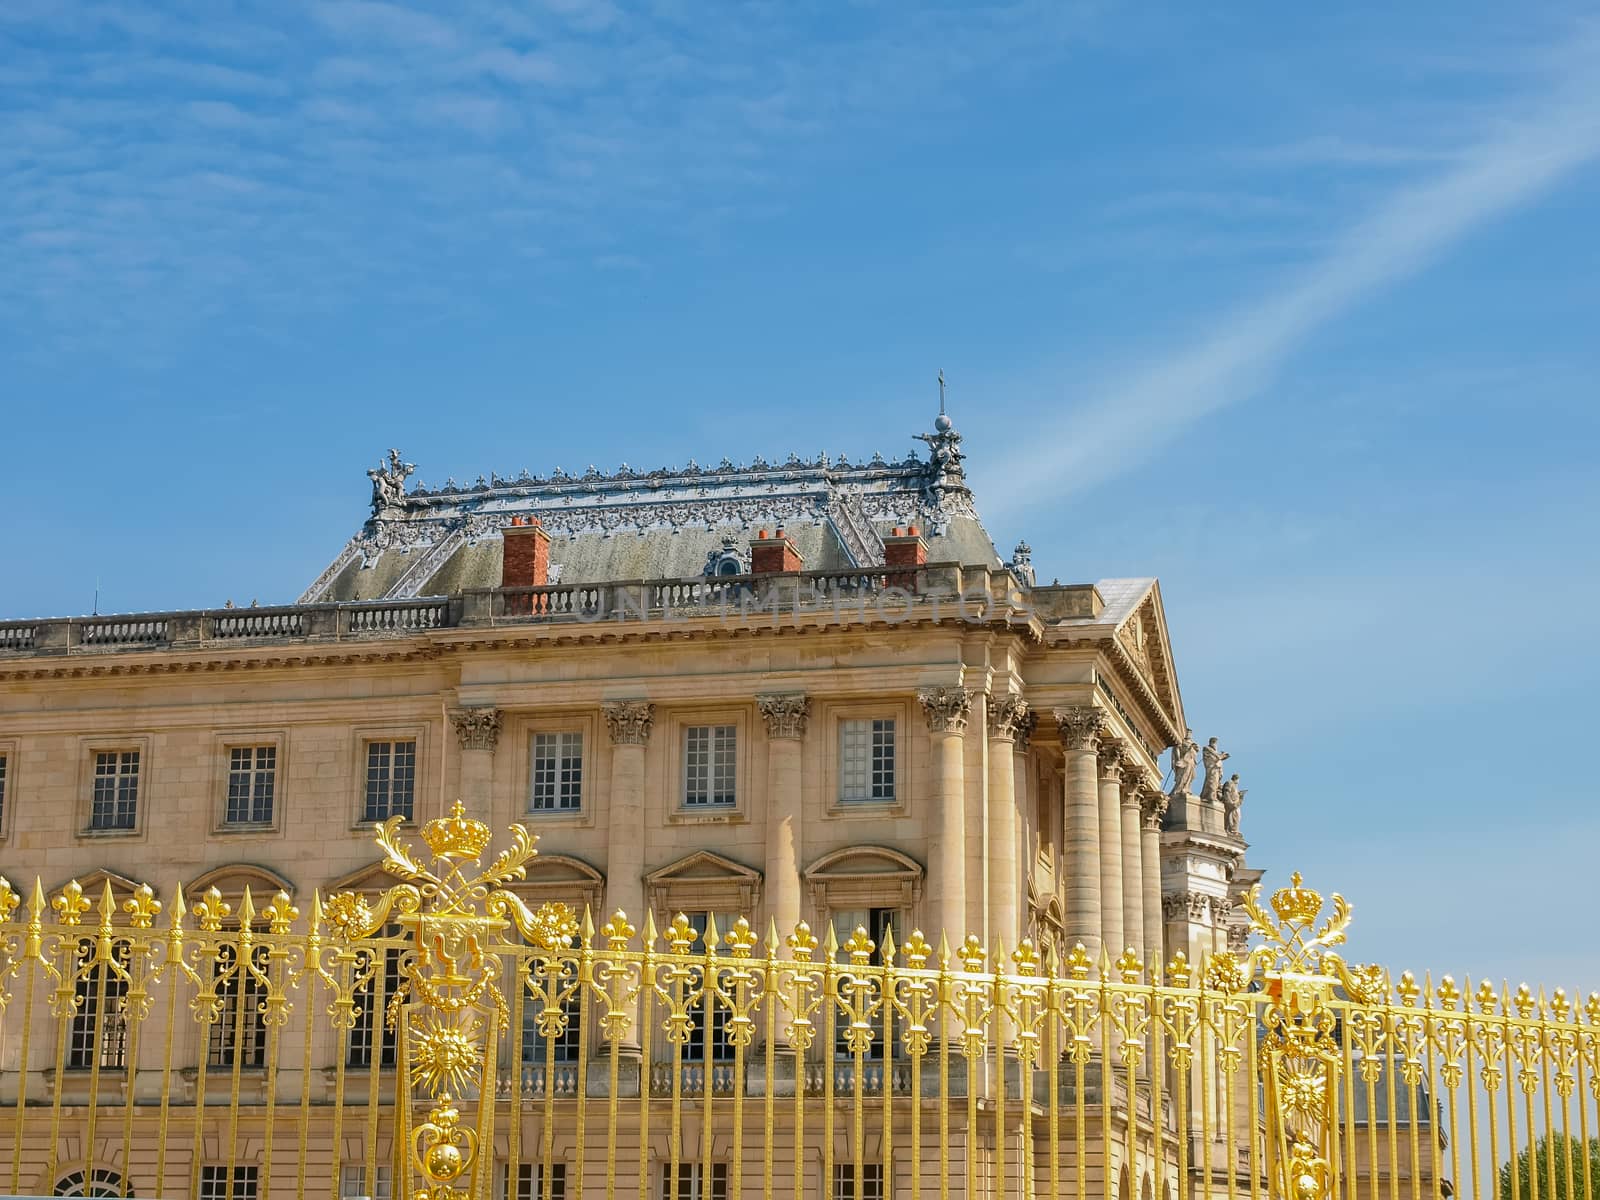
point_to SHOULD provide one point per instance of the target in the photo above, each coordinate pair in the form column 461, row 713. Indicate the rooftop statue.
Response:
column 1232, row 801
column 1185, row 756
column 389, row 482
column 1215, row 757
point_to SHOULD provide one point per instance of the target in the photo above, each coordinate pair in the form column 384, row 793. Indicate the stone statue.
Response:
column 1232, row 801
column 389, row 482
column 1214, row 757
column 1185, row 755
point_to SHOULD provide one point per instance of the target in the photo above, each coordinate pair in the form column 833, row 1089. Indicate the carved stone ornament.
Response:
column 476, row 728
column 1007, row 714
column 1114, row 755
column 1238, row 938
column 629, row 721
column 1023, row 737
column 1186, row 906
column 1080, row 726
column 1134, row 783
column 1153, row 805
column 947, row 709
column 785, row 715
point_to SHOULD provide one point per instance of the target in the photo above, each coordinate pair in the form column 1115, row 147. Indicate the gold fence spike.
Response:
column 108, row 907
column 650, row 933
column 886, row 952
column 247, row 910
column 772, row 945
column 587, row 929
column 36, row 905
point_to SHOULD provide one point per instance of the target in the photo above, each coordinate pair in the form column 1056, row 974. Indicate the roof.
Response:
column 663, row 524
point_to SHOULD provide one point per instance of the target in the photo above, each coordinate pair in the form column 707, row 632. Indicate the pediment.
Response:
column 1142, row 635
column 563, row 868
column 94, row 884
column 231, row 879
column 370, row 878
column 856, row 862
column 703, row 865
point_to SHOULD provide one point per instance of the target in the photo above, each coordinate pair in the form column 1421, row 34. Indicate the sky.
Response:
column 1291, row 306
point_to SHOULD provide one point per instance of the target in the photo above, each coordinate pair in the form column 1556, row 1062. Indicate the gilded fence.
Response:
column 442, row 1040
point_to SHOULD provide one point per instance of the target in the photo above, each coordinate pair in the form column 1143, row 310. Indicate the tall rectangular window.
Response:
column 99, row 1027
column 115, row 802
column 241, row 1027
column 353, row 1183
column 694, row 1183
column 557, row 784
column 534, row 1042
column 710, row 766
column 2, row 791
column 391, row 780
column 215, row 1183
column 708, row 1041
column 252, row 781
column 879, row 923
column 866, row 760
column 844, row 1182
column 371, row 1032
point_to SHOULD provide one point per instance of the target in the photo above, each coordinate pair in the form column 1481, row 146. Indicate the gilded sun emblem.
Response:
column 444, row 1053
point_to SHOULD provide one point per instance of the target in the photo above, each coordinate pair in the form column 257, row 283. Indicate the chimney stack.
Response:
column 775, row 555
column 904, row 549
column 526, row 559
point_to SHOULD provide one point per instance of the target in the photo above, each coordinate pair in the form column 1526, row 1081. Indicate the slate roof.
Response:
column 662, row 524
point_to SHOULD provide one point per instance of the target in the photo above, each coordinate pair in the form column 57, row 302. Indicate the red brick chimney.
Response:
column 774, row 555
column 526, row 561
column 904, row 549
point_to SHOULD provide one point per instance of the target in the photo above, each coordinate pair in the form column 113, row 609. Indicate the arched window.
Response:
column 103, row 1183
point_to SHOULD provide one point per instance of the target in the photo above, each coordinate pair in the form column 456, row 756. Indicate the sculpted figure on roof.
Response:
column 1232, row 803
column 1215, row 757
column 1185, row 757
column 389, row 482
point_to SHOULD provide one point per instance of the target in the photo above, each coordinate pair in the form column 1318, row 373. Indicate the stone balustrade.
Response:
column 937, row 591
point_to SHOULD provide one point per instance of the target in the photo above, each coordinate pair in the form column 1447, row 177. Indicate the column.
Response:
column 629, row 722
column 1113, row 755
column 786, row 725
column 1080, row 837
column 1133, row 785
column 1152, row 809
column 947, row 710
column 1007, row 878
column 477, row 733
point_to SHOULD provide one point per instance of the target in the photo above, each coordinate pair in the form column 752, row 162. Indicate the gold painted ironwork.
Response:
column 445, row 1040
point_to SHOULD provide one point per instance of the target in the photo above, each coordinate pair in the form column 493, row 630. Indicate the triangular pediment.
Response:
column 94, row 884
column 1142, row 634
column 703, row 864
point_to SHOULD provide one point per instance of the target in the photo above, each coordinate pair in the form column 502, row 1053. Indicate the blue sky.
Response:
column 1292, row 306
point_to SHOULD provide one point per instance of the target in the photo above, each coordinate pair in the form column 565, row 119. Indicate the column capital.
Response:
column 1114, row 757
column 1023, row 737
column 1008, row 715
column 1080, row 726
column 1153, row 804
column 629, row 721
column 1134, row 783
column 476, row 728
column 785, row 714
column 946, row 708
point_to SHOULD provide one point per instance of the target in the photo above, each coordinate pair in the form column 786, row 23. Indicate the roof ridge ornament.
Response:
column 389, row 483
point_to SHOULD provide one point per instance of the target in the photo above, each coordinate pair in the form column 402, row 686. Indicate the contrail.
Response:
column 1123, row 424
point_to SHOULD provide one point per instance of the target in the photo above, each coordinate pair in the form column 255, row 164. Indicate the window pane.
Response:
column 215, row 1183
column 557, row 782
column 710, row 765
column 391, row 780
column 252, row 778
column 115, row 799
column 866, row 760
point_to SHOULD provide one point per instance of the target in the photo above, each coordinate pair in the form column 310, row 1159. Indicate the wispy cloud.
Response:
column 1523, row 156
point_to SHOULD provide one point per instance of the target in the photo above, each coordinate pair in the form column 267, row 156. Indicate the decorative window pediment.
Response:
column 703, row 882
column 231, row 880
column 865, row 877
column 94, row 883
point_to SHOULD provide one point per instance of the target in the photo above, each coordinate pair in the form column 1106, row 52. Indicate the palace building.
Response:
column 790, row 691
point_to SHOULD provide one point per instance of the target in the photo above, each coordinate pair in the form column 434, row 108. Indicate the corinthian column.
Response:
column 1152, row 809
column 1080, row 729
column 1113, row 755
column 477, row 733
column 1133, row 785
column 1006, row 879
column 947, row 710
column 786, row 725
column 629, row 722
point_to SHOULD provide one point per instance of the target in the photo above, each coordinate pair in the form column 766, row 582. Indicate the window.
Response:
column 693, row 1183
column 557, row 784
column 215, row 1183
column 534, row 1043
column 115, row 802
column 99, row 1021
column 391, row 780
column 252, row 780
column 241, row 1027
column 710, row 758
column 866, row 760
column 353, row 1183
column 844, row 1182
column 531, row 1183
column 707, row 1045
column 370, row 1005
column 1044, row 810
column 102, row 1183
column 2, row 792
column 878, row 922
